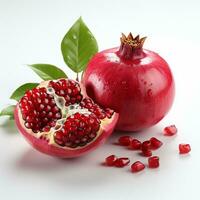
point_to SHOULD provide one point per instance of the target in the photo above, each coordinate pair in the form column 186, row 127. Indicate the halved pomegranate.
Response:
column 58, row 119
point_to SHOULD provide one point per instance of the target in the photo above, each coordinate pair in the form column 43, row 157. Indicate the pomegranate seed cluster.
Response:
column 68, row 89
column 145, row 149
column 94, row 108
column 78, row 130
column 39, row 110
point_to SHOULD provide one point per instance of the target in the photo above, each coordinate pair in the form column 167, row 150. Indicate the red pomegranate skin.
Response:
column 140, row 89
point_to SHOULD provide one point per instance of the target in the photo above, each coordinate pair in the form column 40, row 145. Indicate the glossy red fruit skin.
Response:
column 44, row 147
column 110, row 160
column 141, row 90
column 125, row 140
column 137, row 166
column 184, row 148
column 122, row 162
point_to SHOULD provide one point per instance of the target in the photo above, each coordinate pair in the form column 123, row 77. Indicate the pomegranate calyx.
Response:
column 131, row 46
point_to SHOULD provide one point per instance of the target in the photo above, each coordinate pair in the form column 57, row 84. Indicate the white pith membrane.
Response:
column 66, row 111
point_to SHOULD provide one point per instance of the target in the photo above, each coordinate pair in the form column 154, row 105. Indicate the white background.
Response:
column 31, row 32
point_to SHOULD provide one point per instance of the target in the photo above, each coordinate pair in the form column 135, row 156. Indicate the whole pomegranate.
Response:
column 135, row 82
column 58, row 119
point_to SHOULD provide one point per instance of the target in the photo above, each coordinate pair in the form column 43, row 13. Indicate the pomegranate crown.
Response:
column 134, row 42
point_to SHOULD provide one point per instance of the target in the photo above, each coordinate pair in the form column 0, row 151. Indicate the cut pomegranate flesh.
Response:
column 153, row 162
column 58, row 119
column 170, row 130
column 122, row 162
column 110, row 160
column 137, row 166
column 135, row 144
column 184, row 148
column 125, row 140
column 155, row 143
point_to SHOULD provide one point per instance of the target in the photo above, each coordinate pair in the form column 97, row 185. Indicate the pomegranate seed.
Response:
column 147, row 153
column 92, row 107
column 184, row 148
column 146, row 145
column 78, row 130
column 153, row 162
column 110, row 160
column 121, row 162
column 137, row 166
column 155, row 143
column 170, row 130
column 125, row 140
column 135, row 144
column 35, row 107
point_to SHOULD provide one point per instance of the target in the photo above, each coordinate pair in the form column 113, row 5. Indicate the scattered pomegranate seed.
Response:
column 135, row 144
column 170, row 130
column 110, row 160
column 155, row 143
column 78, row 130
column 121, row 162
column 184, row 148
column 147, row 153
column 153, row 162
column 125, row 140
column 146, row 145
column 137, row 166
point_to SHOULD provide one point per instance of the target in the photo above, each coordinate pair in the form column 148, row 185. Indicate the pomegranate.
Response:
column 135, row 82
column 58, row 119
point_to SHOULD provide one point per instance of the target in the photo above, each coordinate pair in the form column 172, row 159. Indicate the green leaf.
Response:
column 8, row 111
column 20, row 91
column 47, row 71
column 78, row 46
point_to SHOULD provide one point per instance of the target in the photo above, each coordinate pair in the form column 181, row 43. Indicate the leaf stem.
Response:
column 77, row 78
